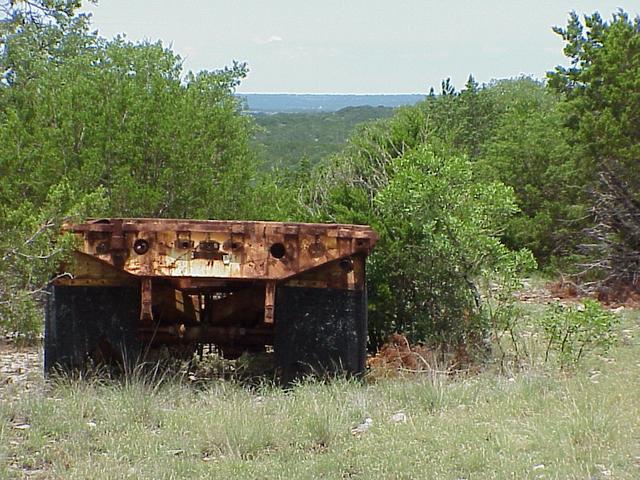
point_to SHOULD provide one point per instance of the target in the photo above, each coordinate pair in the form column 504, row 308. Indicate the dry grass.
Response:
column 536, row 423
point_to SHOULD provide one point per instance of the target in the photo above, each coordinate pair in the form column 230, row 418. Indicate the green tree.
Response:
column 440, row 229
column 528, row 150
column 601, row 91
column 34, row 198
column 99, row 127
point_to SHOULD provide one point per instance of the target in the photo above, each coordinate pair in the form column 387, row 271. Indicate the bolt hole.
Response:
column 141, row 246
column 102, row 248
column 277, row 250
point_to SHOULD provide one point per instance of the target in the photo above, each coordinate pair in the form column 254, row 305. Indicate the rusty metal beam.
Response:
column 269, row 302
column 206, row 334
column 130, row 225
column 146, row 300
column 220, row 250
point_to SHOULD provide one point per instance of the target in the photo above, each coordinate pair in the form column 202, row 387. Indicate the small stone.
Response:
column 604, row 470
column 91, row 424
column 538, row 466
column 399, row 417
column 22, row 426
column 593, row 375
column 363, row 427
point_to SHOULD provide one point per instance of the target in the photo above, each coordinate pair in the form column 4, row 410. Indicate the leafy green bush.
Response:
column 439, row 230
column 31, row 248
column 573, row 330
column 439, row 226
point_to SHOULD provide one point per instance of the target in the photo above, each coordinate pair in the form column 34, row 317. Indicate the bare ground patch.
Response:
column 20, row 368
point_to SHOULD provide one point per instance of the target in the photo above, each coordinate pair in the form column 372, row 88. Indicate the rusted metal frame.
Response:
column 294, row 282
column 290, row 266
column 346, row 273
column 291, row 226
column 207, row 334
column 117, row 236
column 213, row 284
column 95, row 282
column 246, row 316
column 89, row 270
column 269, row 302
column 161, row 225
column 146, row 300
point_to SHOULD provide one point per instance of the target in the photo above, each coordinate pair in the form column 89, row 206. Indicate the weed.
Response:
column 572, row 330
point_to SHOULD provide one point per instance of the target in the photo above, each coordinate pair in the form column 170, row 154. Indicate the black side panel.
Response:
column 320, row 330
column 96, row 322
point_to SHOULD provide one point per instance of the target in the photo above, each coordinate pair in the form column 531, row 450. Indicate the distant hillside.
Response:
column 287, row 138
column 284, row 103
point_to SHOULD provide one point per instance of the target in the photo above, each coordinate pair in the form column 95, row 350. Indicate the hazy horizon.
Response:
column 356, row 47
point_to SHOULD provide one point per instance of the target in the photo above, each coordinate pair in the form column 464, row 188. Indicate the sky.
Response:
column 354, row 46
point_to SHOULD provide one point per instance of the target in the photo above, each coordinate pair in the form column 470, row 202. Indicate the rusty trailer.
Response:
column 138, row 285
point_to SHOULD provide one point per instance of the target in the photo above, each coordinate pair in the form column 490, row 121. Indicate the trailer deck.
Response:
column 138, row 284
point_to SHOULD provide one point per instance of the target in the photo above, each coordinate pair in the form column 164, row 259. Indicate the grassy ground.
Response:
column 537, row 422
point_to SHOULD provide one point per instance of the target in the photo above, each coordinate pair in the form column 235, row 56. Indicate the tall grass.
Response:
column 533, row 423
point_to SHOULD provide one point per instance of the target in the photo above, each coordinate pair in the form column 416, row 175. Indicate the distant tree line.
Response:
column 303, row 139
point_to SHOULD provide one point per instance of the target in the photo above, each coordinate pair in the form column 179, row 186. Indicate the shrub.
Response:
column 571, row 330
column 439, row 231
column 439, row 227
